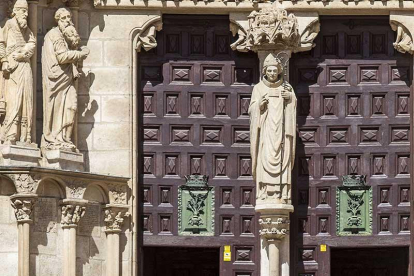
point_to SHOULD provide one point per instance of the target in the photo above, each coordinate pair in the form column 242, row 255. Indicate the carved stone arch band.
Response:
column 403, row 24
column 147, row 34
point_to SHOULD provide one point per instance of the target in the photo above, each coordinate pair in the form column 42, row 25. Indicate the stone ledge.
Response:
column 18, row 155
column 65, row 160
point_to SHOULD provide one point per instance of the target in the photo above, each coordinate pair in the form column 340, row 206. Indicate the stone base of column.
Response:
column 274, row 238
column 65, row 160
column 20, row 155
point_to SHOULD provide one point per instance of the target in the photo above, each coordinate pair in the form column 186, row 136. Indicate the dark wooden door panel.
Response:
column 353, row 118
column 194, row 97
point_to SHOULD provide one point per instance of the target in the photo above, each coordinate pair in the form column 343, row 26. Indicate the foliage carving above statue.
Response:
column 61, row 62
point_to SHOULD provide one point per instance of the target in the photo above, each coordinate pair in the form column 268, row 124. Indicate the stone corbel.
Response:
column 274, row 227
column 147, row 34
column 403, row 24
column 309, row 28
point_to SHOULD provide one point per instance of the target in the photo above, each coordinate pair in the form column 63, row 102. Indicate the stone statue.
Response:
column 61, row 56
column 403, row 42
column 273, row 133
column 17, row 46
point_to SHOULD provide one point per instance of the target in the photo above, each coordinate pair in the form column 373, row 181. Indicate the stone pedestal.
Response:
column 20, row 155
column 274, row 238
column 65, row 160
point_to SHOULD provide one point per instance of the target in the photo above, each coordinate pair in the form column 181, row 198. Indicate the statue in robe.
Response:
column 272, row 114
column 17, row 46
column 61, row 56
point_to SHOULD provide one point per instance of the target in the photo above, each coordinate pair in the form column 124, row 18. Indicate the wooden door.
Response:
column 353, row 118
column 194, row 98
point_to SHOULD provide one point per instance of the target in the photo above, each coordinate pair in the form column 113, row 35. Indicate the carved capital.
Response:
column 114, row 217
column 75, row 188
column 117, row 193
column 25, row 183
column 71, row 214
column 147, row 35
column 403, row 24
column 23, row 207
column 274, row 227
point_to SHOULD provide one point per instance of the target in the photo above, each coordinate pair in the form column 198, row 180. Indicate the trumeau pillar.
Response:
column 114, row 216
column 72, row 211
column 274, row 35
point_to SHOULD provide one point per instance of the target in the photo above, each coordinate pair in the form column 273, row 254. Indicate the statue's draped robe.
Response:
column 59, row 93
column 18, row 85
column 267, row 136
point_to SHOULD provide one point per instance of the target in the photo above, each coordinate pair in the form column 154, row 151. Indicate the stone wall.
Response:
column 8, row 238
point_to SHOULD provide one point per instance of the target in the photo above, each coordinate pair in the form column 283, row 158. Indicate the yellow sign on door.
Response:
column 227, row 253
column 323, row 247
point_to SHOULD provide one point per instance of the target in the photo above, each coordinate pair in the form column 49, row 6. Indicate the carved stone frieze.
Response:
column 117, row 193
column 147, row 36
column 75, row 188
column 23, row 208
column 25, row 183
column 71, row 214
column 274, row 227
column 114, row 218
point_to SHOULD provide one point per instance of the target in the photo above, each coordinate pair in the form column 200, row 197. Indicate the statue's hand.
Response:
column 84, row 52
column 263, row 103
column 286, row 95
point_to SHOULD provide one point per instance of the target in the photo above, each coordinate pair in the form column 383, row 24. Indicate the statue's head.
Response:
column 72, row 37
column 272, row 68
column 63, row 17
column 20, row 11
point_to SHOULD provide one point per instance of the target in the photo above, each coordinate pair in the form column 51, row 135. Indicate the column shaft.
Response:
column 69, row 253
column 32, row 22
column 274, row 258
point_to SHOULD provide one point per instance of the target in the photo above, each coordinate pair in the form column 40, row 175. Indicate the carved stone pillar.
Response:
column 72, row 212
column 274, row 35
column 114, row 217
column 23, row 210
column 33, row 61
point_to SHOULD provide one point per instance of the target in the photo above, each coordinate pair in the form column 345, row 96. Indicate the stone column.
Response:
column 274, row 35
column 23, row 209
column 33, row 61
column 72, row 212
column 114, row 219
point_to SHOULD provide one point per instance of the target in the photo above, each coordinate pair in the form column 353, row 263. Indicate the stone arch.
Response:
column 7, row 187
column 51, row 187
column 96, row 193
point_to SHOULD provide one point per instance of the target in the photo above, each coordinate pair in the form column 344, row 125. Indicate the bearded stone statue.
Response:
column 273, row 134
column 60, row 61
column 17, row 46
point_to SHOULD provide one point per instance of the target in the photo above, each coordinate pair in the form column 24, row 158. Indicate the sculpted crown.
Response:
column 196, row 180
column 272, row 60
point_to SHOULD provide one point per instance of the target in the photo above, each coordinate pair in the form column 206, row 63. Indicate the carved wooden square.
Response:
column 149, row 105
column 403, row 164
column 403, row 104
column 147, row 195
column 222, row 44
column 329, row 166
column 304, row 106
column 149, row 166
column 222, row 105
column 329, row 105
column 303, row 197
column 152, row 134
column 227, row 225
column 244, row 253
column 354, row 165
column 400, row 73
column 212, row 135
column 243, row 75
column 307, row 254
column 369, row 135
column 329, row 45
column 241, row 136
column 165, row 224
column 197, row 105
column 244, row 103
column 384, row 195
column 247, row 197
column 227, row 199
column 338, row 136
column 369, row 75
column 306, row 166
column 404, row 196
column 220, row 166
column 245, row 166
column 212, row 74
column 147, row 223
column 151, row 73
column 243, row 273
column 308, row 136
column 247, row 225
column 323, row 226
column 378, row 165
column 304, row 225
column 165, row 195
column 405, row 223
column 173, row 44
column 181, row 73
column 172, row 165
column 353, row 45
column 172, row 104
column 197, row 164
column 378, row 44
column 197, row 44
column 323, row 197
column 354, row 105
column 338, row 75
column 400, row 134
column 181, row 134
column 378, row 104
column 308, row 75
column 384, row 224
